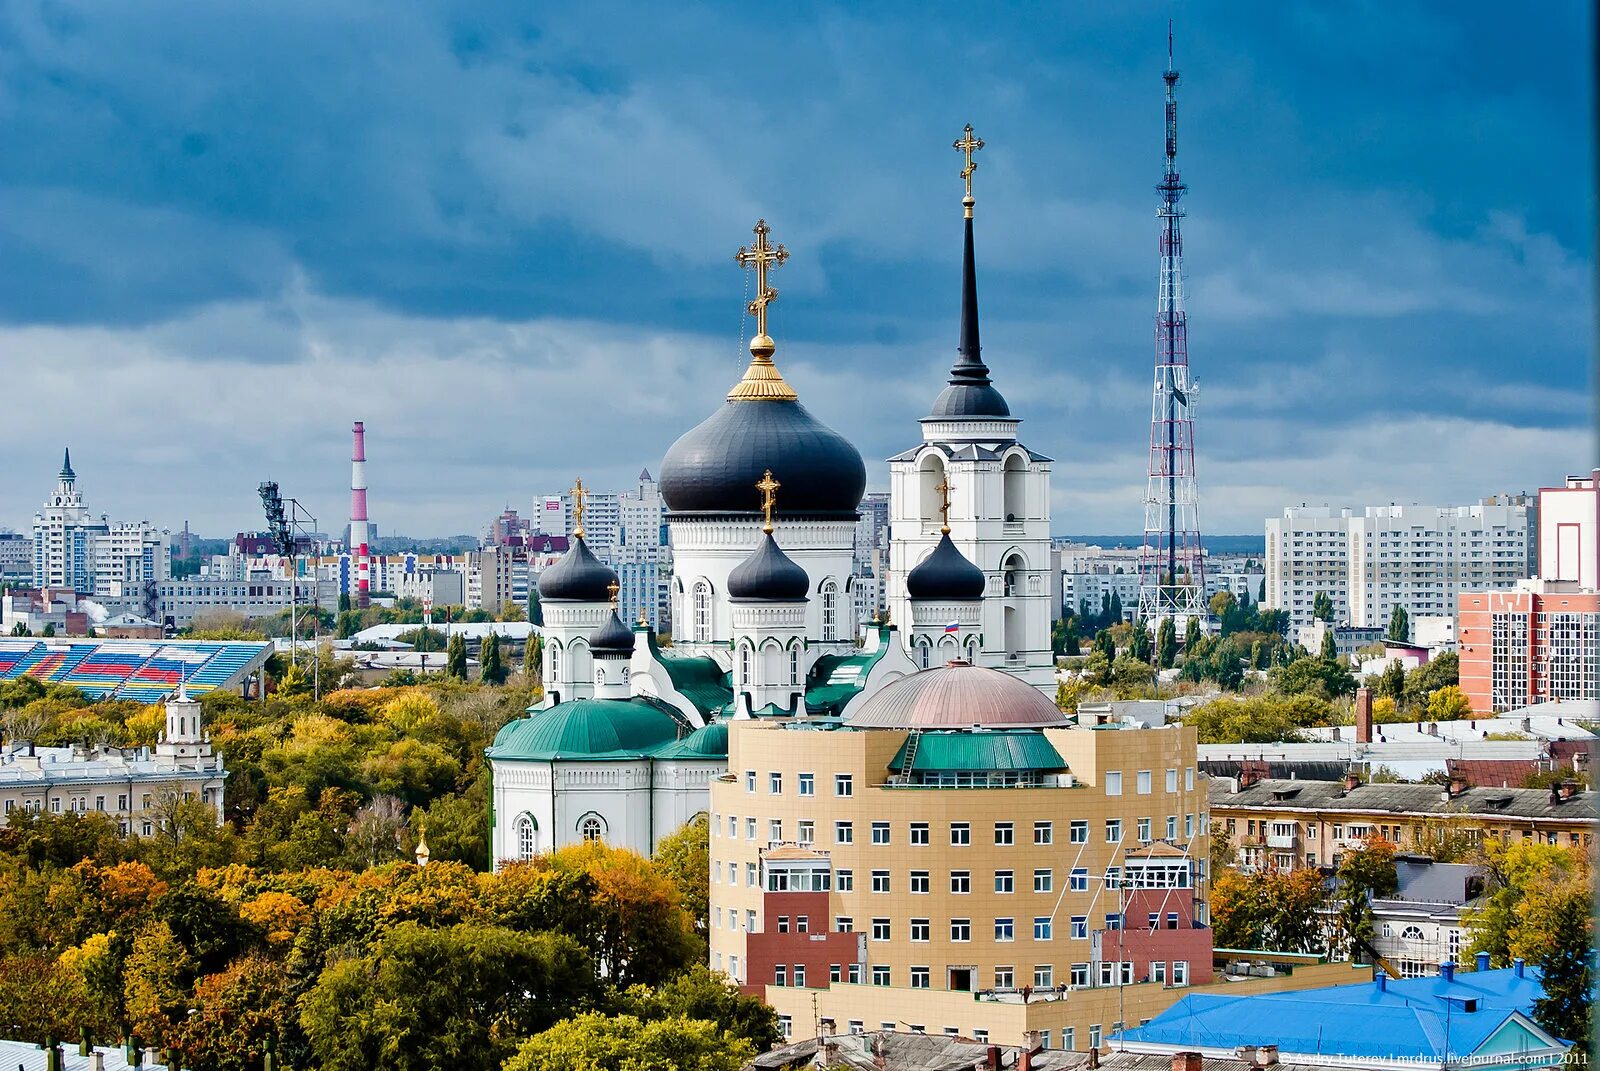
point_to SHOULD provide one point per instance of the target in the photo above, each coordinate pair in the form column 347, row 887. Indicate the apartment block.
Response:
column 1371, row 560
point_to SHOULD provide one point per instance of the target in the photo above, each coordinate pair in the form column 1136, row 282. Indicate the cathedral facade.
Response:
column 762, row 502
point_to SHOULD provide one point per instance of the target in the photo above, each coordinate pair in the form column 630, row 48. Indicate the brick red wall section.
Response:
column 1142, row 945
column 817, row 949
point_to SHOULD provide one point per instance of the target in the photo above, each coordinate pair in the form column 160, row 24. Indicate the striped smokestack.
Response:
column 358, row 517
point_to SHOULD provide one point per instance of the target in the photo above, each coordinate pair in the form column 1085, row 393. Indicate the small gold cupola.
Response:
column 762, row 381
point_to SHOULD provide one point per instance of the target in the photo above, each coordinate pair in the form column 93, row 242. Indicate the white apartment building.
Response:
column 128, row 556
column 1093, row 588
column 260, row 594
column 1369, row 561
column 63, row 536
column 16, row 558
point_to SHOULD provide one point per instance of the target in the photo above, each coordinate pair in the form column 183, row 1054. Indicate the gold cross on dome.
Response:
column 944, row 489
column 761, row 256
column 769, row 498
column 578, row 495
column 613, row 588
column 967, row 145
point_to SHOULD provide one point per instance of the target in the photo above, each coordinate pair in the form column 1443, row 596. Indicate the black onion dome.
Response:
column 578, row 577
column 714, row 467
column 612, row 637
column 945, row 574
column 768, row 575
column 970, row 394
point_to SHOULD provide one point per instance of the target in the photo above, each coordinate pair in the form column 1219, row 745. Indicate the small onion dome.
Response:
column 958, row 696
column 612, row 637
column 587, row 729
column 945, row 574
column 578, row 577
column 768, row 575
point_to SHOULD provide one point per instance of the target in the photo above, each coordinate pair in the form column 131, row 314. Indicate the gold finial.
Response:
column 944, row 489
column 644, row 618
column 967, row 144
column 613, row 588
column 762, row 379
column 769, row 498
column 578, row 495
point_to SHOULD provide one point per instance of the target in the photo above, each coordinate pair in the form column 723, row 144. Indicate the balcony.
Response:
column 1282, row 840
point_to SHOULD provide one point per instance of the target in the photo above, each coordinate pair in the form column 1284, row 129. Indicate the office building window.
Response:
column 1043, row 881
column 919, row 833
column 1080, row 831
column 1004, row 834
column 1005, row 929
column 1043, row 833
column 1003, row 881
column 1042, row 927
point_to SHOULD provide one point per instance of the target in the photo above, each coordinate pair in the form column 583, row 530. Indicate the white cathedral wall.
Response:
column 568, row 670
column 617, row 793
column 708, row 550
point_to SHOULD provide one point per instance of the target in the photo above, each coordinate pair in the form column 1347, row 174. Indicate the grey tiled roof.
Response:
column 1403, row 799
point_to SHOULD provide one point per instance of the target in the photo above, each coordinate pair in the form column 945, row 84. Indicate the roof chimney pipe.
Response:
column 1380, row 978
column 1517, row 967
column 1483, row 961
column 1447, row 971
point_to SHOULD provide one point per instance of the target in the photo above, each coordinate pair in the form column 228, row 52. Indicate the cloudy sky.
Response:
column 502, row 235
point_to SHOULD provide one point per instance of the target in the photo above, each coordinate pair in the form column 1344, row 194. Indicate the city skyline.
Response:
column 1384, row 253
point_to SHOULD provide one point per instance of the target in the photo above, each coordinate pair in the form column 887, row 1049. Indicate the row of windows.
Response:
column 1082, row 975
column 920, row 833
column 844, row 784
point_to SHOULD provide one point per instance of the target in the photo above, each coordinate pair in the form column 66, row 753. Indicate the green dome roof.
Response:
column 587, row 728
column 710, row 742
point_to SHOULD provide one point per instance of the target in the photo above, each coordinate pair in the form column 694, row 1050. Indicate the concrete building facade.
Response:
column 1369, row 561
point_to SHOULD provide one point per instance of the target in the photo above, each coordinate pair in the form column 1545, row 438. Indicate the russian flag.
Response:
column 952, row 627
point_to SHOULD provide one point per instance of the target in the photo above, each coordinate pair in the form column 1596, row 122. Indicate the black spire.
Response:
column 970, row 394
column 66, row 465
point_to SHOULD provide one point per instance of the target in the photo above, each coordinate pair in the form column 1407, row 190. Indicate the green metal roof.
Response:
column 699, row 679
column 588, row 729
column 710, row 742
column 1015, row 749
column 836, row 679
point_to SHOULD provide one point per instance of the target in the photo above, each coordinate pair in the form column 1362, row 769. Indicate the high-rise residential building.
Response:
column 508, row 529
column 1541, row 641
column 628, row 531
column 1369, row 561
column 64, row 536
column 129, row 557
column 16, row 558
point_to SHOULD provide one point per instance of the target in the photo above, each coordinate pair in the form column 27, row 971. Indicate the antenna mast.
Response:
column 1171, row 567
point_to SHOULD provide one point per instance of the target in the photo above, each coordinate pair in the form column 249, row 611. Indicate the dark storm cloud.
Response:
column 278, row 218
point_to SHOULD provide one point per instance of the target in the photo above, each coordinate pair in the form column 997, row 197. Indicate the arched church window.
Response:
column 744, row 663
column 1411, row 933
column 972, row 651
column 591, row 828
column 555, row 661
column 1016, row 472
column 1015, row 568
column 702, row 612
column 922, row 649
column 930, row 474
column 794, row 665
column 830, row 611
column 526, row 828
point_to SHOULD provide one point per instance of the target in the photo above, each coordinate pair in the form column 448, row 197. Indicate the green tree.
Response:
column 1106, row 645
column 1399, row 625
column 1436, row 673
column 1139, row 644
column 533, row 659
column 1191, row 633
column 513, row 611
column 1363, row 874
column 1222, row 604
column 1322, row 607
column 1241, row 720
column 1449, row 703
column 1115, row 608
column 596, row 1042
column 459, row 997
column 684, row 856
column 455, row 658
column 1166, row 643
column 1538, row 908
column 1392, row 682
column 1313, row 676
column 495, row 670
column 1330, row 649
column 1273, row 909
column 699, row 993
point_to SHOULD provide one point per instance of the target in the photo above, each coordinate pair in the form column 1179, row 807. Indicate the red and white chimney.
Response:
column 359, row 538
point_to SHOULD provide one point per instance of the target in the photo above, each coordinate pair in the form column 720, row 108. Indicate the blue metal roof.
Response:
column 1404, row 1018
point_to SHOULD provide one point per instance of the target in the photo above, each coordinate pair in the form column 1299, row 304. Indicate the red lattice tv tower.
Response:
column 1171, row 569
